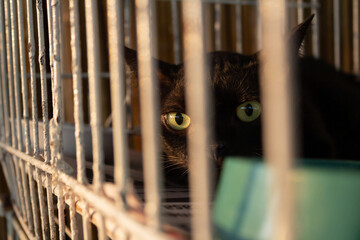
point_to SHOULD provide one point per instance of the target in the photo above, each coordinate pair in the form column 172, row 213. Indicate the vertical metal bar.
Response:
column 56, row 126
column 50, row 37
column 239, row 37
column 315, row 29
column 56, row 123
column 176, row 31
column 217, row 26
column 12, row 101
column 94, row 89
column 11, row 178
column 2, row 100
column 258, row 26
column 92, row 35
column 20, row 171
column 73, row 221
column 150, row 111
column 198, row 104
column 44, row 104
column 25, row 112
column 128, row 41
column 10, row 230
column 42, row 64
column 337, row 34
column 31, row 51
column 117, row 80
column 61, row 215
column 300, row 11
column 300, row 18
column 15, row 65
column 20, row 16
column 86, row 222
column 4, row 74
column 276, row 92
column 34, row 202
column 77, row 86
column 356, row 43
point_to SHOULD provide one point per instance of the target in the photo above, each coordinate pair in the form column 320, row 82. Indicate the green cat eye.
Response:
column 248, row 111
column 177, row 121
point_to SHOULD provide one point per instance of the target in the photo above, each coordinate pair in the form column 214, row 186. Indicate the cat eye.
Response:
column 248, row 111
column 177, row 121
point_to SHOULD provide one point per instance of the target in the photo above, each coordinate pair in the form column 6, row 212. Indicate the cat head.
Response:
column 234, row 80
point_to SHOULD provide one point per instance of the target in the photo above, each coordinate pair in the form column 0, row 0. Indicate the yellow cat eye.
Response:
column 177, row 121
column 248, row 111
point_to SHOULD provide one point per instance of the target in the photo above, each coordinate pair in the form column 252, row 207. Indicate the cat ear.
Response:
column 131, row 62
column 298, row 33
column 165, row 72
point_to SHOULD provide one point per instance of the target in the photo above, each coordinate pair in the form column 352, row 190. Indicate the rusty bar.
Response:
column 73, row 221
column 77, row 88
column 44, row 105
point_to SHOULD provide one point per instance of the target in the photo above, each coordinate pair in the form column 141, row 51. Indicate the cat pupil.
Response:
column 179, row 118
column 249, row 110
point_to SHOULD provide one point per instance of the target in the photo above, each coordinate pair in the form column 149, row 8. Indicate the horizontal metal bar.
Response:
column 252, row 2
column 102, row 204
column 70, row 75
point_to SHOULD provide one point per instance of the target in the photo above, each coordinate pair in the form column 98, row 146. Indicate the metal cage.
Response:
column 54, row 67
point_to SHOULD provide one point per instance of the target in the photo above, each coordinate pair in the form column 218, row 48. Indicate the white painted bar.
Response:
column 117, row 81
column 149, row 104
column 276, row 92
column 92, row 37
column 198, row 104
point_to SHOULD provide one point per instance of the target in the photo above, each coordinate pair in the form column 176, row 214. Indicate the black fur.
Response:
column 328, row 103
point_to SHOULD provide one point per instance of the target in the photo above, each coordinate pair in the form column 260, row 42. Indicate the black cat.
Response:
column 328, row 100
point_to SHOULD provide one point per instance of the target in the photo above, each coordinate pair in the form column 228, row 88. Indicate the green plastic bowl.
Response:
column 327, row 204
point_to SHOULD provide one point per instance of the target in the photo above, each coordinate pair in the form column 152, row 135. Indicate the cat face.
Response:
column 234, row 80
column 236, row 111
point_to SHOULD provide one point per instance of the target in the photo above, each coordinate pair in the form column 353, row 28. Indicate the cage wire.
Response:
column 70, row 124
